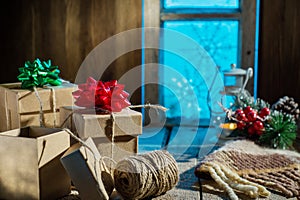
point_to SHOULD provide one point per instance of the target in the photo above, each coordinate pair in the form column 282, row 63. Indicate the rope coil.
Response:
column 146, row 175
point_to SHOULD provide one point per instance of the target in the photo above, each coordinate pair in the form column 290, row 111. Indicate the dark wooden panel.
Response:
column 64, row 31
column 279, row 52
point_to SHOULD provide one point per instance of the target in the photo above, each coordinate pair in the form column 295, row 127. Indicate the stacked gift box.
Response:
column 114, row 140
column 105, row 117
column 21, row 107
column 31, row 147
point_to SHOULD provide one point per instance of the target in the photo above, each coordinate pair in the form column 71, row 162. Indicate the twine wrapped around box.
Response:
column 248, row 168
column 21, row 107
column 41, row 115
column 35, row 101
column 103, row 113
column 41, row 74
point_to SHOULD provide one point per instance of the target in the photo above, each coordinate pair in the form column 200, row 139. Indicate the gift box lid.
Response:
column 25, row 101
column 89, row 124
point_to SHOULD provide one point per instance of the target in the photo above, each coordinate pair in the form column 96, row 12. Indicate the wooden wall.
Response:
column 279, row 50
column 64, row 31
column 67, row 30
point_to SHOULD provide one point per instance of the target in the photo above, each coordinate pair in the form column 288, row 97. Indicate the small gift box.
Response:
column 27, row 104
column 20, row 107
column 104, row 116
column 83, row 164
column 30, row 166
column 114, row 142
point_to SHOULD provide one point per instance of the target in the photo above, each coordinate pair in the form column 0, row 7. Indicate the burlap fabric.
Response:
column 242, row 166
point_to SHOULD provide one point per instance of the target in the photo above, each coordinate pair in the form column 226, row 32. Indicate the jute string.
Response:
column 141, row 176
column 113, row 119
column 42, row 122
column 41, row 112
column 53, row 105
column 156, row 107
column 146, row 175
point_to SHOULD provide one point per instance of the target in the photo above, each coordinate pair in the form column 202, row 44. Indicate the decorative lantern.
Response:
column 241, row 79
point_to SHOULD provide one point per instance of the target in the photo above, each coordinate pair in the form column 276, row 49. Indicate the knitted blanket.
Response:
column 242, row 166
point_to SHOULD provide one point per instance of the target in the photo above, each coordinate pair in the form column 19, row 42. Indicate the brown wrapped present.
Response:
column 21, row 107
column 29, row 163
column 115, row 140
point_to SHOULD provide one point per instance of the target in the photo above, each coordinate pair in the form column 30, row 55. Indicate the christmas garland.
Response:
column 274, row 126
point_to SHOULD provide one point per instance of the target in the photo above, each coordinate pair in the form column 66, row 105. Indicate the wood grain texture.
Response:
column 279, row 50
column 152, row 20
column 65, row 31
column 247, row 35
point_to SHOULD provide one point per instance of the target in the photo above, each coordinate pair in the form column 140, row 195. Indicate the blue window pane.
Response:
column 201, row 4
column 220, row 40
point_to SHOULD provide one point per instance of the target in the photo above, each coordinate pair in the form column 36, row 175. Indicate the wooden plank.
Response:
column 65, row 32
column 151, row 19
column 247, row 37
column 279, row 50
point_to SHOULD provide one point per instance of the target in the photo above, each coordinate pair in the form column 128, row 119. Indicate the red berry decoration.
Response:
column 241, row 125
column 260, row 132
column 240, row 116
column 258, row 125
column 264, row 112
column 247, row 110
column 251, row 116
column 251, row 130
column 239, row 111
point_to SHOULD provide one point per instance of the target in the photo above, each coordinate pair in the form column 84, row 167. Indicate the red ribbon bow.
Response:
column 108, row 96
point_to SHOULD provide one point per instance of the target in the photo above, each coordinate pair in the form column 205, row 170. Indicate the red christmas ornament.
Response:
column 239, row 111
column 259, row 132
column 108, row 96
column 240, row 116
column 251, row 130
column 251, row 116
column 264, row 112
column 250, row 121
column 241, row 125
column 247, row 109
column 258, row 125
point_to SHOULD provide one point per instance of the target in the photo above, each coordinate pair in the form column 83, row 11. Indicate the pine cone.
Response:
column 287, row 105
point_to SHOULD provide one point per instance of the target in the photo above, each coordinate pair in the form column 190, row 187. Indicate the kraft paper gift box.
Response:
column 21, row 107
column 116, row 142
column 30, row 166
column 83, row 166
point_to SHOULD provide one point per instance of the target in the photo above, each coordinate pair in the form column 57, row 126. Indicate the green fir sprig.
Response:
column 280, row 131
column 244, row 99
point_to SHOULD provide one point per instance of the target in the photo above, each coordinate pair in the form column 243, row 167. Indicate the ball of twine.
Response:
column 146, row 175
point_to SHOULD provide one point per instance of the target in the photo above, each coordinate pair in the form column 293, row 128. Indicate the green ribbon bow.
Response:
column 38, row 74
